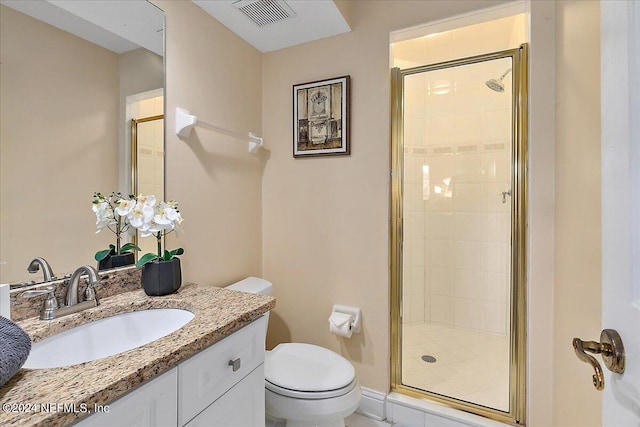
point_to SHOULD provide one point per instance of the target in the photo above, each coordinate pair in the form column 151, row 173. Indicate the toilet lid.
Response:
column 307, row 368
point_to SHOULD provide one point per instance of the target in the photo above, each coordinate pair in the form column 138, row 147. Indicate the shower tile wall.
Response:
column 457, row 164
column 416, row 249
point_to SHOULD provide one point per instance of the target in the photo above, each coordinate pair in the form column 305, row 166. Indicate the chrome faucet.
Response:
column 50, row 308
column 35, row 265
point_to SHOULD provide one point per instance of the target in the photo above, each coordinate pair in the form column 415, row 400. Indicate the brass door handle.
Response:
column 611, row 349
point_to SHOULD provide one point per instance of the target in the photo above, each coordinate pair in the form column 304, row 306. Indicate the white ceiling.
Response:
column 313, row 20
column 119, row 26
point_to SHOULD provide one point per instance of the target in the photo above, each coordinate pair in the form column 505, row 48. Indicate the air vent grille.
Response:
column 264, row 12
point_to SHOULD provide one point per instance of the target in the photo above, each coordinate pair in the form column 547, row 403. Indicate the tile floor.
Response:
column 357, row 420
column 353, row 420
column 470, row 365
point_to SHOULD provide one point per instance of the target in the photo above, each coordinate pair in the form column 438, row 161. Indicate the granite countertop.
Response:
column 218, row 313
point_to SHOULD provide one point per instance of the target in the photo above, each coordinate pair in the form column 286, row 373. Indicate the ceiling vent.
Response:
column 264, row 12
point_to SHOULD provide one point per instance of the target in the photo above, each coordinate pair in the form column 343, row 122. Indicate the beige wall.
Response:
column 58, row 144
column 325, row 220
column 541, row 189
column 140, row 71
column 218, row 77
column 577, row 301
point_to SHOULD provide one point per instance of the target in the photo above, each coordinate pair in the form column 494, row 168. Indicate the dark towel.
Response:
column 15, row 346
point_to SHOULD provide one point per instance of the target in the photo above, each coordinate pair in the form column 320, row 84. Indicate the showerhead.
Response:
column 496, row 84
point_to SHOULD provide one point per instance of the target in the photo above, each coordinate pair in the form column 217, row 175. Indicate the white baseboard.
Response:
column 396, row 408
column 373, row 404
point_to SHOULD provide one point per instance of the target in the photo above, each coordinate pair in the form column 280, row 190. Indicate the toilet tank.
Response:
column 254, row 285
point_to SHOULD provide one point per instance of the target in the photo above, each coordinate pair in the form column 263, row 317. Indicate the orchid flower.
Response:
column 111, row 213
column 155, row 218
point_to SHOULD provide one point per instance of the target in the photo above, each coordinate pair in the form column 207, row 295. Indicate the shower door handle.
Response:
column 611, row 349
column 504, row 195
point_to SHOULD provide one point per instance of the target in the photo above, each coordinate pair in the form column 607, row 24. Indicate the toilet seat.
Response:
column 310, row 395
column 307, row 371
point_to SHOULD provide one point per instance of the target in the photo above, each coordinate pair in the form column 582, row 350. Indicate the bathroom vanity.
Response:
column 205, row 390
column 209, row 372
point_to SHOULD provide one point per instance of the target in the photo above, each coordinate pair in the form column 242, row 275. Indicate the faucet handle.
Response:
column 49, row 306
column 90, row 294
column 37, row 292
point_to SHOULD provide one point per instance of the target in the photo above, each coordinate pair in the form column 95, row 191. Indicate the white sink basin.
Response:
column 105, row 337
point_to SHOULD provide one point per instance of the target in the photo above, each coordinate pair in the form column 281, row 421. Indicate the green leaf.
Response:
column 169, row 255
column 129, row 247
column 176, row 252
column 146, row 258
column 100, row 255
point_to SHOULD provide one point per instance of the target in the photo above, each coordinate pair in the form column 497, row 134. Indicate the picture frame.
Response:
column 321, row 118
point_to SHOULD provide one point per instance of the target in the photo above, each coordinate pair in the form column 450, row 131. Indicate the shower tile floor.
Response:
column 470, row 365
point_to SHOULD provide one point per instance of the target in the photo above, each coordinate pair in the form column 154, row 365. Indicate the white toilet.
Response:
column 305, row 385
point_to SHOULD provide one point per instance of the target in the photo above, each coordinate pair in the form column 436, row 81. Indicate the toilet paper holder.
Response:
column 355, row 325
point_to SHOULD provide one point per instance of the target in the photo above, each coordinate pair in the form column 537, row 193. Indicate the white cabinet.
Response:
column 151, row 404
column 242, row 406
column 222, row 385
column 209, row 374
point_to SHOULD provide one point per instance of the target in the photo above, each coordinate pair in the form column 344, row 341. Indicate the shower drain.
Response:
column 429, row 359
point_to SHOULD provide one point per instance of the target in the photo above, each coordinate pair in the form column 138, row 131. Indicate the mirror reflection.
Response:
column 147, row 156
column 67, row 92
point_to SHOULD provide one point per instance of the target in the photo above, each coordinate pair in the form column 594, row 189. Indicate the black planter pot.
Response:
column 161, row 277
column 115, row 261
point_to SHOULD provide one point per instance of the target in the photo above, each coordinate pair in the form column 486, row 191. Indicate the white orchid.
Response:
column 158, row 219
column 166, row 217
column 104, row 215
column 140, row 215
column 124, row 206
column 112, row 213
column 148, row 200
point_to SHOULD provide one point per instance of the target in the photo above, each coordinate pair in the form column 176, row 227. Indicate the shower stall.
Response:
column 457, row 233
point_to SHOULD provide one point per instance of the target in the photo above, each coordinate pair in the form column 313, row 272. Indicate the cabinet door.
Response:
column 242, row 406
column 155, row 403
column 209, row 374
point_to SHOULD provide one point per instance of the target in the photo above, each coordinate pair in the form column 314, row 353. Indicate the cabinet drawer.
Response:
column 206, row 376
column 242, row 406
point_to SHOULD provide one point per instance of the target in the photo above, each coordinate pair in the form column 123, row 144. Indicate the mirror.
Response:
column 65, row 122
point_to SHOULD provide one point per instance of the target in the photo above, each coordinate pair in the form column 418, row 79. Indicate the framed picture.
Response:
column 321, row 118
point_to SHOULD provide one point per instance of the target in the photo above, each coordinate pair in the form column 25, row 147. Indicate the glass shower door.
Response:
column 459, row 137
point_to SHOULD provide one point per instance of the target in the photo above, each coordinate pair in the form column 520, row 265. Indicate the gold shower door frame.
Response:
column 517, row 316
column 134, row 165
